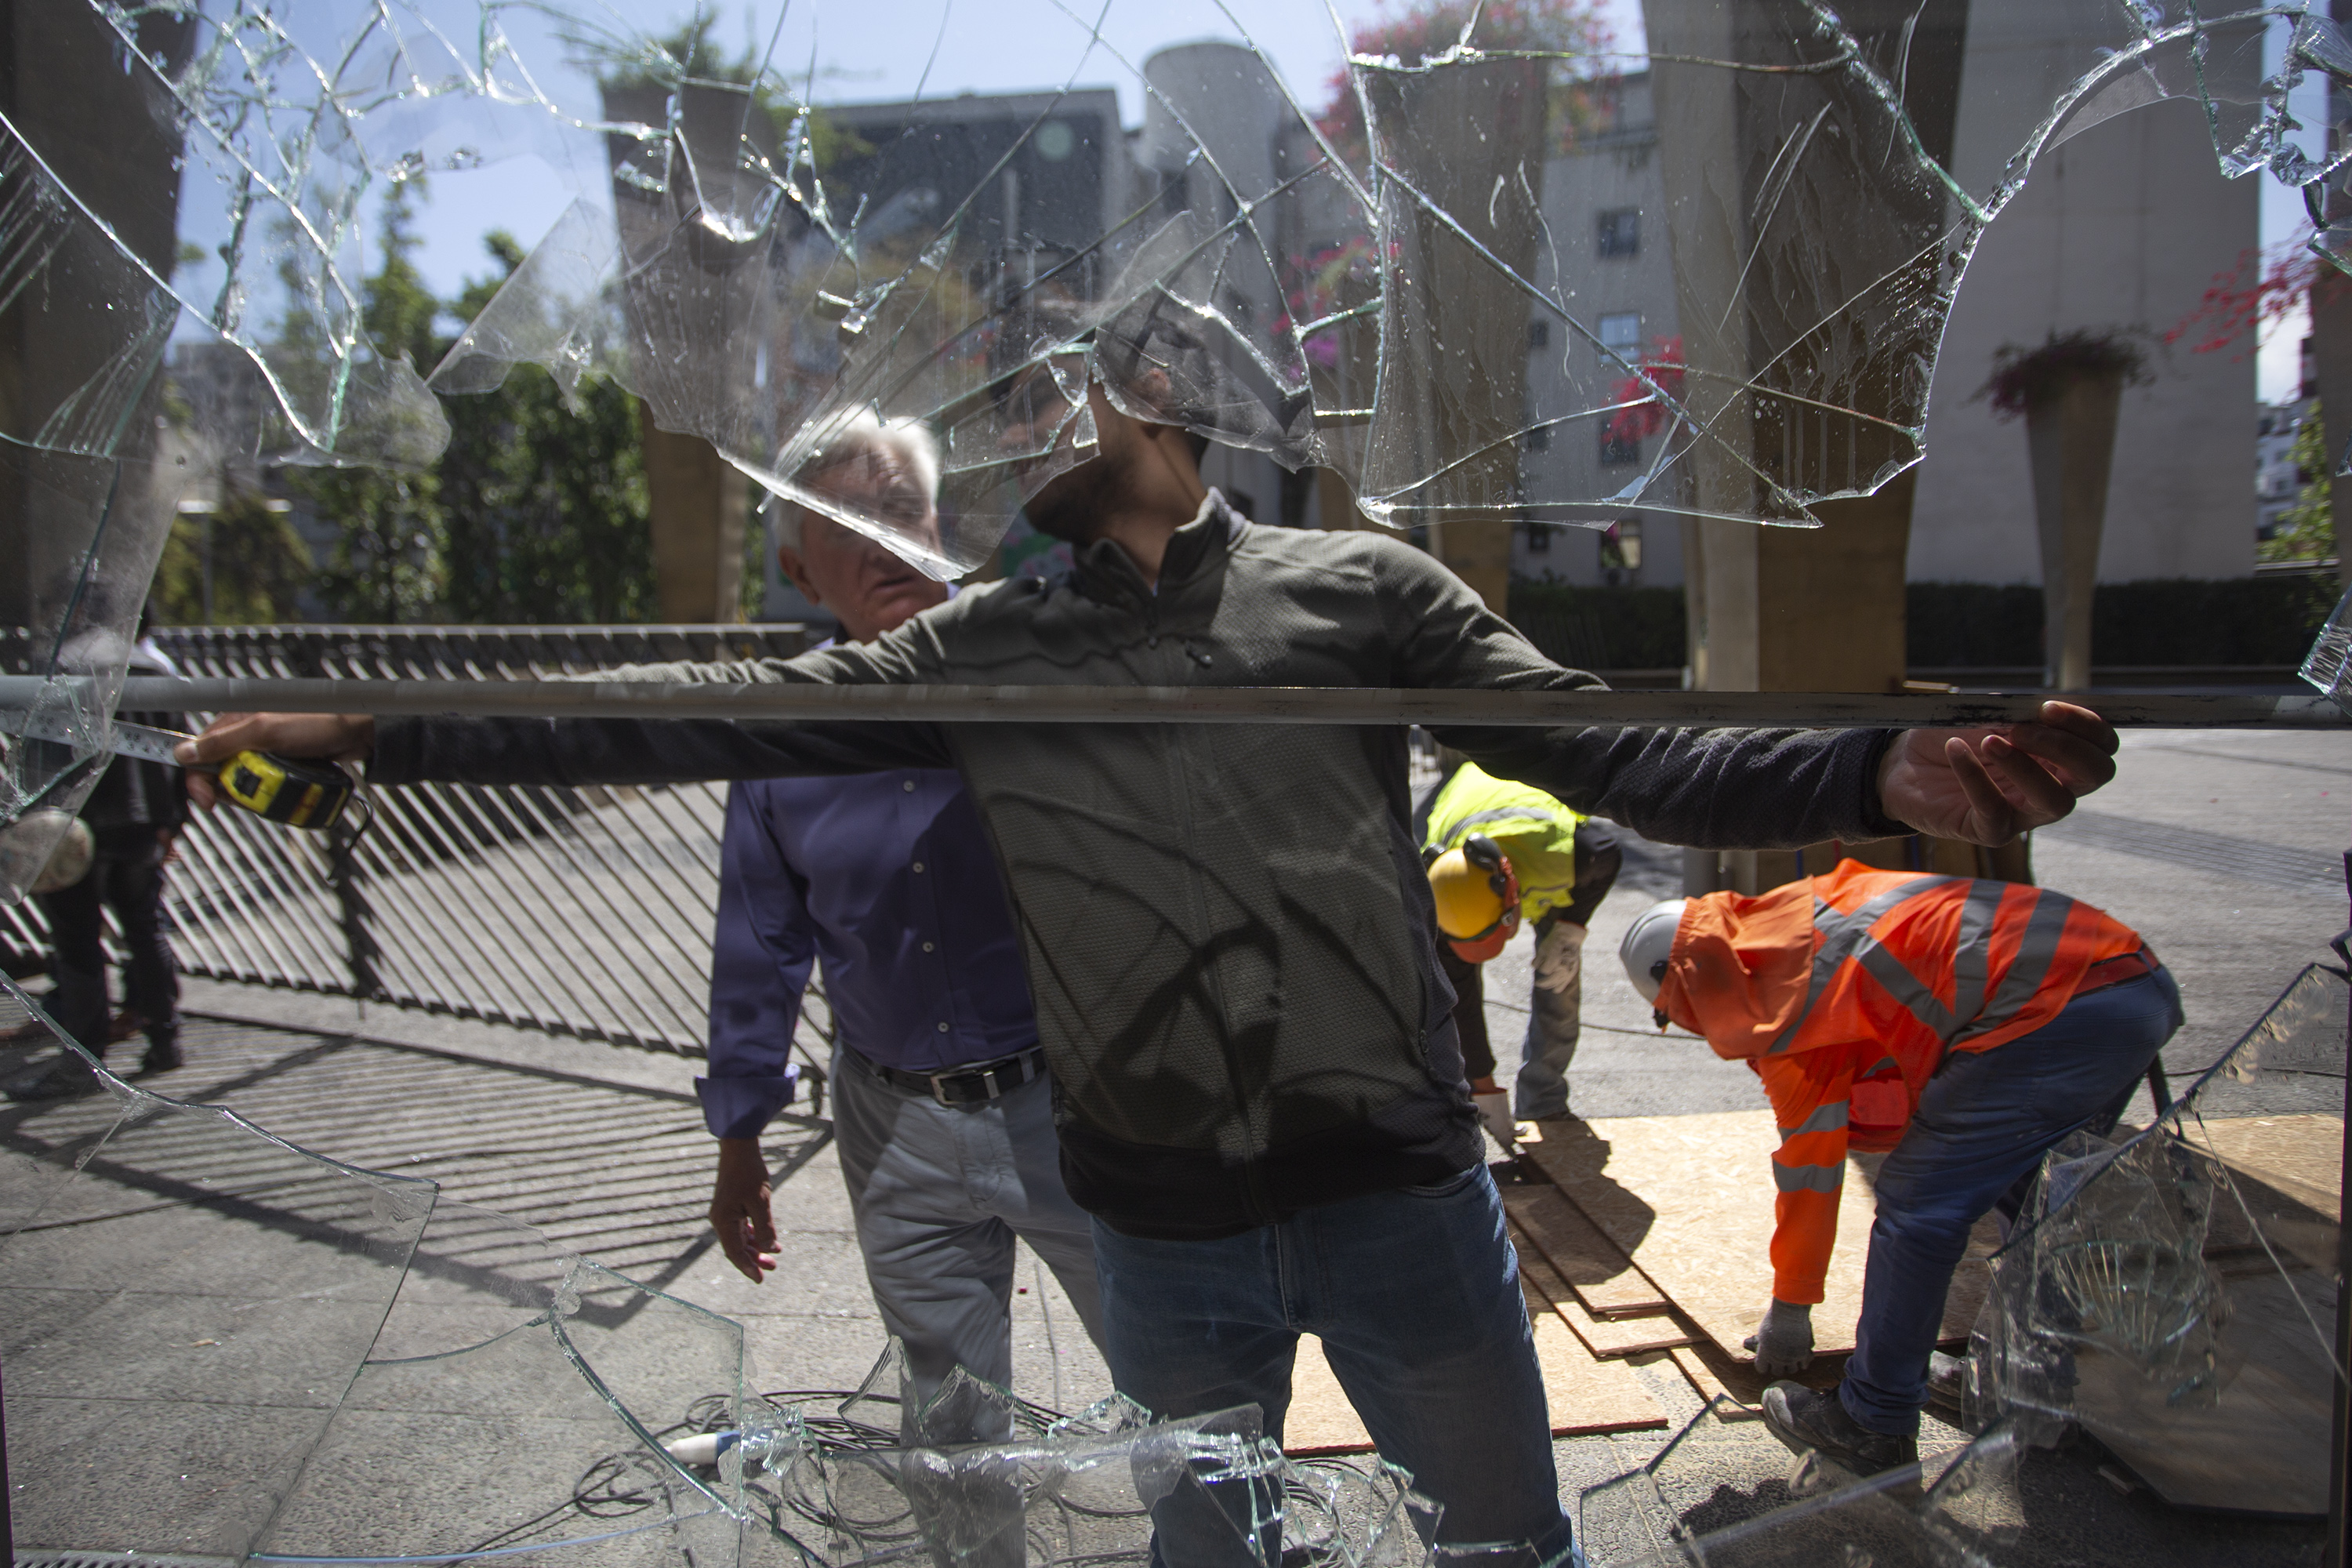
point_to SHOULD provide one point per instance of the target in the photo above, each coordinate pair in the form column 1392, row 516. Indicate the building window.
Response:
column 1539, row 537
column 1616, row 453
column 1540, row 336
column 1621, row 552
column 1538, row 439
column 1621, row 232
column 1620, row 332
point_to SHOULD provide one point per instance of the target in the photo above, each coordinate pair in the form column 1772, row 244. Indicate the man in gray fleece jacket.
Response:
column 1228, row 933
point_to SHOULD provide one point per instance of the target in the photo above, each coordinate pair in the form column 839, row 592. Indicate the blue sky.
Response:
column 881, row 49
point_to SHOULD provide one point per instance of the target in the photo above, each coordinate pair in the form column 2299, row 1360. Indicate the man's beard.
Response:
column 1074, row 503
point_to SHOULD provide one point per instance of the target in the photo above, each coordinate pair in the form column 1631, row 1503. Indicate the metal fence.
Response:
column 584, row 911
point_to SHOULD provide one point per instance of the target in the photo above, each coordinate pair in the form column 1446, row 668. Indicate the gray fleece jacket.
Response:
column 1227, row 930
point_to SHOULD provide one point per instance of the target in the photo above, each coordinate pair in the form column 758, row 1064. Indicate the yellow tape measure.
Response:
column 283, row 789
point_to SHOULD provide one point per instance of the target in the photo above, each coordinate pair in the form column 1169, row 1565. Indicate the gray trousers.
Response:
column 1554, row 1020
column 940, row 1194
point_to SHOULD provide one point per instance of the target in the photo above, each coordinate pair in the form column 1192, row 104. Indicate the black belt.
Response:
column 975, row 1083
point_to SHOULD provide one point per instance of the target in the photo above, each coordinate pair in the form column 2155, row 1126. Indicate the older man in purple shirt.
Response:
column 941, row 1110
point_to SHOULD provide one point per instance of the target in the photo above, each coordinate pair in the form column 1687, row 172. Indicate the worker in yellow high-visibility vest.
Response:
column 1501, row 854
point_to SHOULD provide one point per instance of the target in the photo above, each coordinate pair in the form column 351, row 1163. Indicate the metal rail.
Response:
column 585, row 911
column 1182, row 704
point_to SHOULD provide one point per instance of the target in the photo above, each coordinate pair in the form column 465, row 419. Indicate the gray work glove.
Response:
column 1783, row 1341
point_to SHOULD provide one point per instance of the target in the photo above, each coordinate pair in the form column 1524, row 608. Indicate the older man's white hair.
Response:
column 904, row 442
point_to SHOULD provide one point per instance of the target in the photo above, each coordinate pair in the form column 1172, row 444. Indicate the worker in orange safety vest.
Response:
column 1967, row 1025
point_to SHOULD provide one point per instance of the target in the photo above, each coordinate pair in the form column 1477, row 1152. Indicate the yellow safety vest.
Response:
column 1535, row 830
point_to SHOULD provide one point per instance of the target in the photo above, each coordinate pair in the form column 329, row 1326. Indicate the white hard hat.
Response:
column 1649, row 943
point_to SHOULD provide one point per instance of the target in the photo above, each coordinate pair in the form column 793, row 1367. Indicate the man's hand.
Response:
column 1987, row 786
column 341, row 737
column 1783, row 1342
column 739, row 1210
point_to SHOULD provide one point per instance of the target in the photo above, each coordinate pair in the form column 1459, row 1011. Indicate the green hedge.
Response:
column 1600, row 629
column 2178, row 621
column 2167, row 620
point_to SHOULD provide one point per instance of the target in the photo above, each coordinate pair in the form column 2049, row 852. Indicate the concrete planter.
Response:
column 2071, row 432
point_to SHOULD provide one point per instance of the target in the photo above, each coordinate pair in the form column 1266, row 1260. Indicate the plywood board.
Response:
column 1320, row 1421
column 1604, row 1337
column 1689, row 1200
column 1709, row 1386
column 2302, row 1156
column 1585, row 1395
column 1595, row 1268
column 2263, row 1447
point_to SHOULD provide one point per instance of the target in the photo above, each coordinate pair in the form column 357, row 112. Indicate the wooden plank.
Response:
column 1709, row 1386
column 1596, row 1268
column 1604, row 1337
column 2301, row 1156
column 1585, row 1395
column 1689, row 1200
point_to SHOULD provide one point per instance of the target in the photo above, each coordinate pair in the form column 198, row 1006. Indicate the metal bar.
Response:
column 1187, row 704
column 2339, row 1552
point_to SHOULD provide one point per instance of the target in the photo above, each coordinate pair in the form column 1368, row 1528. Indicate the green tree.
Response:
column 546, row 504
column 387, row 562
column 259, row 564
column 2307, row 528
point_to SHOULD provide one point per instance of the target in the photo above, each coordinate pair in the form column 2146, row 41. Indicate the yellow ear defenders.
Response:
column 1477, row 897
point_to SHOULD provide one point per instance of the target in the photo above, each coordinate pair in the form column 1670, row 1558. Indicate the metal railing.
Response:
column 584, row 911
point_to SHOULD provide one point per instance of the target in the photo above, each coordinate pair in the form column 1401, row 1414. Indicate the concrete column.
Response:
column 699, row 507
column 2071, row 433
column 1774, row 608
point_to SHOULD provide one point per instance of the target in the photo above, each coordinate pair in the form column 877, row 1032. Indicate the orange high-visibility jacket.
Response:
column 1844, row 992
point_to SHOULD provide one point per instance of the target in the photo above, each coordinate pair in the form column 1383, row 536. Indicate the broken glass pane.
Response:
column 2173, row 1290
column 1378, row 278
column 1712, row 1496
column 173, row 1273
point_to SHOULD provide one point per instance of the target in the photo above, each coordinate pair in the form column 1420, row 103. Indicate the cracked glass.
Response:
column 1378, row 292
column 1373, row 287
column 304, row 1348
column 2173, row 1288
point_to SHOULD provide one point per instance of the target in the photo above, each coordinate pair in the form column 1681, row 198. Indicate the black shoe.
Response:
column 67, row 1078
column 1947, row 1387
column 1803, row 1419
column 161, row 1058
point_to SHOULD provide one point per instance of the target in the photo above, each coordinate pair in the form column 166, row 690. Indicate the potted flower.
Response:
column 2069, row 390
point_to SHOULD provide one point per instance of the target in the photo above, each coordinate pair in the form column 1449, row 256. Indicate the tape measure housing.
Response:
column 298, row 794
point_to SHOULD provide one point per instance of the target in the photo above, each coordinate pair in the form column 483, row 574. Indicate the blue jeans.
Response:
column 1415, row 1296
column 1981, row 1128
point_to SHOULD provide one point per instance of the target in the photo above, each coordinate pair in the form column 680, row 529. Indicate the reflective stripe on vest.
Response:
column 1826, row 1118
column 1451, row 832
column 1847, row 936
column 1809, row 1178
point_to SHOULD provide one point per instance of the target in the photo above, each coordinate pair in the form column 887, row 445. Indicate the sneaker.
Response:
column 64, row 1079
column 1805, row 1419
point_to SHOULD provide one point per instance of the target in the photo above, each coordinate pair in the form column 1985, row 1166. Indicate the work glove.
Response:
column 1783, row 1341
column 1494, row 1110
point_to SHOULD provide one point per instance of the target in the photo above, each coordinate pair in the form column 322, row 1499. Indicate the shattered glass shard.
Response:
column 2173, row 1290
column 2328, row 666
